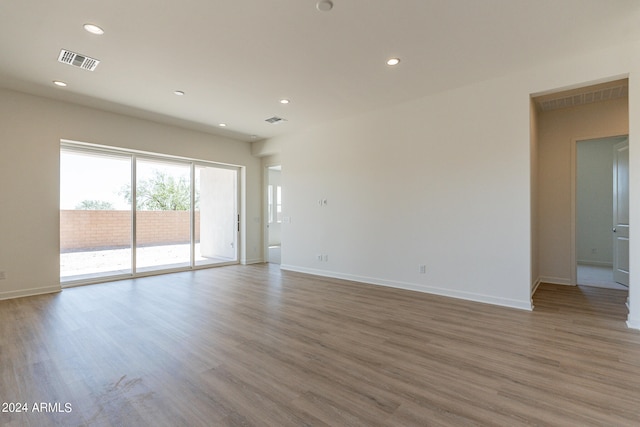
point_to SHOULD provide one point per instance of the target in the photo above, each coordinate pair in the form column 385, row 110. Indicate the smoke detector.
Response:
column 275, row 119
column 78, row 60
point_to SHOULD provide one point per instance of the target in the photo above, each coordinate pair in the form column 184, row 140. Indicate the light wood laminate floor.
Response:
column 250, row 345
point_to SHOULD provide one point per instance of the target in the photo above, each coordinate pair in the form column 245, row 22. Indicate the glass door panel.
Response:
column 95, row 217
column 163, row 215
column 185, row 213
column 216, row 215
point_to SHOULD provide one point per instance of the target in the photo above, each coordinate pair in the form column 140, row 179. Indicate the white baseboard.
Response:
column 555, row 280
column 505, row 302
column 252, row 261
column 29, row 292
column 596, row 263
column 534, row 285
column 534, row 288
column 633, row 323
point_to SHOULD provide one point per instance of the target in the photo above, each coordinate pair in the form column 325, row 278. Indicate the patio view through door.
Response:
column 163, row 215
column 179, row 214
column 95, row 222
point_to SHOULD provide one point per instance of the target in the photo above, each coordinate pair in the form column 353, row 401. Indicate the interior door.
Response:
column 621, row 213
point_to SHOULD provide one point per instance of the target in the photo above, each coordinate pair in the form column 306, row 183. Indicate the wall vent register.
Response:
column 275, row 119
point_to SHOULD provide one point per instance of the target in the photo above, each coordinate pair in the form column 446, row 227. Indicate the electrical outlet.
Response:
column 319, row 257
column 2, row 275
column 422, row 269
column 325, row 257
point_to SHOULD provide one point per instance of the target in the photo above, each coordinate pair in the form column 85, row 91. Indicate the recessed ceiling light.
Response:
column 179, row 92
column 393, row 61
column 93, row 29
column 222, row 125
column 284, row 101
column 324, row 5
column 59, row 83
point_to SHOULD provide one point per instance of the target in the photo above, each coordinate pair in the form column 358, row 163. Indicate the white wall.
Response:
column 594, row 201
column 633, row 320
column 424, row 183
column 443, row 181
column 30, row 132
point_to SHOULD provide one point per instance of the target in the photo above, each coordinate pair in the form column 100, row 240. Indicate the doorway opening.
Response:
column 560, row 120
column 602, row 212
column 274, row 214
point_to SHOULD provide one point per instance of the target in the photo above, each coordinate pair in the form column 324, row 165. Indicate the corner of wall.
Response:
column 265, row 147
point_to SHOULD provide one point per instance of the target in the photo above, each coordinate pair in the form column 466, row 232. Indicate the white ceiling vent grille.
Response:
column 275, row 119
column 78, row 60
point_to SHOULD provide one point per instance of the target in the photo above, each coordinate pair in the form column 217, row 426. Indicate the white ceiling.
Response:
column 235, row 59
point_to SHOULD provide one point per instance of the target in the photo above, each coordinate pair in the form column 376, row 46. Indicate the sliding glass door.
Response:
column 163, row 215
column 128, row 214
column 216, row 215
column 95, row 221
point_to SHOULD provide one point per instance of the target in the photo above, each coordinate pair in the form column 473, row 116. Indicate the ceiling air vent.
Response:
column 78, row 60
column 275, row 119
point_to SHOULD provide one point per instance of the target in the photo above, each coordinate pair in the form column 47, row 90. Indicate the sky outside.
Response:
column 101, row 177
